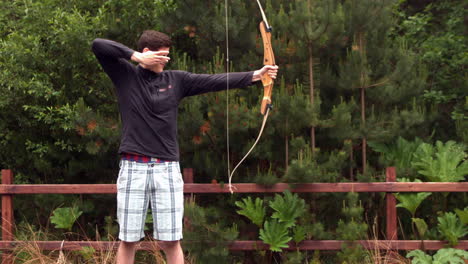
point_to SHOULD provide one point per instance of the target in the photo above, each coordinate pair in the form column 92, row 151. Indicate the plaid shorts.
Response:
column 141, row 184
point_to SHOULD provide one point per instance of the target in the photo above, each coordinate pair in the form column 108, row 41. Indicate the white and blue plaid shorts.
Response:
column 141, row 184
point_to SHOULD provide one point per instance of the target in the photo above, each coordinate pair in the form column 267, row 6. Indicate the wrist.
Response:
column 136, row 57
column 256, row 76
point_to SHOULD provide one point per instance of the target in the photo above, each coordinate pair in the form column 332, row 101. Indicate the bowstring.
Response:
column 227, row 88
column 265, row 117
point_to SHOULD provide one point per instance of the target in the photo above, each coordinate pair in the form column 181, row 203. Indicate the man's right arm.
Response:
column 112, row 56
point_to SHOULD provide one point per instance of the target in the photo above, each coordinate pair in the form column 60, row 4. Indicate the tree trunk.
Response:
column 364, row 140
column 351, row 161
column 286, row 146
column 311, row 78
column 362, row 50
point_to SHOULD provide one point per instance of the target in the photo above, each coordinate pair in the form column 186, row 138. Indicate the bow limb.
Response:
column 268, row 59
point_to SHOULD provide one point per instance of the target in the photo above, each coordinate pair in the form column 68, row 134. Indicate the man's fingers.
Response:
column 162, row 52
column 163, row 58
column 271, row 70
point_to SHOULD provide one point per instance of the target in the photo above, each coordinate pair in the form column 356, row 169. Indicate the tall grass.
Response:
column 377, row 255
column 28, row 251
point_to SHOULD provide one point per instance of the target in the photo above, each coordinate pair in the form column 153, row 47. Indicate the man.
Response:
column 148, row 99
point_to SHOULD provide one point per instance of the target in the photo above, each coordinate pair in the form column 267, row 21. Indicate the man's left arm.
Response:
column 203, row 83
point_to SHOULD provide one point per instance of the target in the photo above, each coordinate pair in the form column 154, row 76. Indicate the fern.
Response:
column 65, row 217
column 419, row 257
column 299, row 234
column 420, row 225
column 451, row 228
column 275, row 234
column 463, row 215
column 411, row 201
column 253, row 211
column 450, row 256
column 399, row 154
column 442, row 163
column 443, row 256
column 287, row 208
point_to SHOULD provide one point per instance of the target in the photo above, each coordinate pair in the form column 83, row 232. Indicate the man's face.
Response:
column 164, row 51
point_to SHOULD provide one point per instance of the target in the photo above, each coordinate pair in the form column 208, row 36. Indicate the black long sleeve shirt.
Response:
column 148, row 101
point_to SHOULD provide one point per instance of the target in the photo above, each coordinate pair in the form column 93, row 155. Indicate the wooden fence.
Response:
column 8, row 189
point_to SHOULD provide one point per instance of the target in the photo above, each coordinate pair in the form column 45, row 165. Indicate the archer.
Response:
column 148, row 99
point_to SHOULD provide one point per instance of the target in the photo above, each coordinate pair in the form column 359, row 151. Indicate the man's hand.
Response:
column 151, row 58
column 270, row 69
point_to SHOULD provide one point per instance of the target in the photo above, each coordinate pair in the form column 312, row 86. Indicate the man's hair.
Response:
column 153, row 40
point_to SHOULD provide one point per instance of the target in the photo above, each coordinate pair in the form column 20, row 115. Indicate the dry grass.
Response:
column 383, row 256
column 28, row 251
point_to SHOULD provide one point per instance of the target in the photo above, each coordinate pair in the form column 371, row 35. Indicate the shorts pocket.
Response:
column 122, row 179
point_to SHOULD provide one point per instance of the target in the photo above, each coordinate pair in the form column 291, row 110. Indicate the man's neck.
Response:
column 155, row 69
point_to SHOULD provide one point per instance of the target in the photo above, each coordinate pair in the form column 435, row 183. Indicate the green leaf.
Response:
column 443, row 256
column 253, row 211
column 275, row 234
column 399, row 154
column 419, row 257
column 411, row 201
column 299, row 234
column 65, row 217
column 420, row 225
column 87, row 252
column 463, row 215
column 451, row 228
column 442, row 162
column 287, row 208
column 450, row 256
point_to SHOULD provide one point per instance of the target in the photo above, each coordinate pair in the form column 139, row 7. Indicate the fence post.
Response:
column 391, row 222
column 187, row 174
column 7, row 216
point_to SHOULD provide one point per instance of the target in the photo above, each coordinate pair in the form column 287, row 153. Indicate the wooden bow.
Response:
column 268, row 59
column 267, row 81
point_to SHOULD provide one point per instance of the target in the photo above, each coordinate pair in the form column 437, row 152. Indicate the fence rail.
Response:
column 8, row 190
column 244, row 245
column 247, row 188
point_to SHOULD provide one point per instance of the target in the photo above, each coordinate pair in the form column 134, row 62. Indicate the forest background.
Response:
column 363, row 84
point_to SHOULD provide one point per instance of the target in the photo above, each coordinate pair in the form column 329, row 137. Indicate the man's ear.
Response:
column 145, row 50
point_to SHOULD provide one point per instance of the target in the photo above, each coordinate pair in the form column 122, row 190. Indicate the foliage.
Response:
column 254, row 211
column 287, row 208
column 420, row 225
column 317, row 167
column 299, row 234
column 411, row 201
column 443, row 256
column 463, row 215
column 352, row 228
column 207, row 234
column 87, row 252
column 399, row 154
column 451, row 228
column 275, row 234
column 65, row 217
column 281, row 226
column 444, row 162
